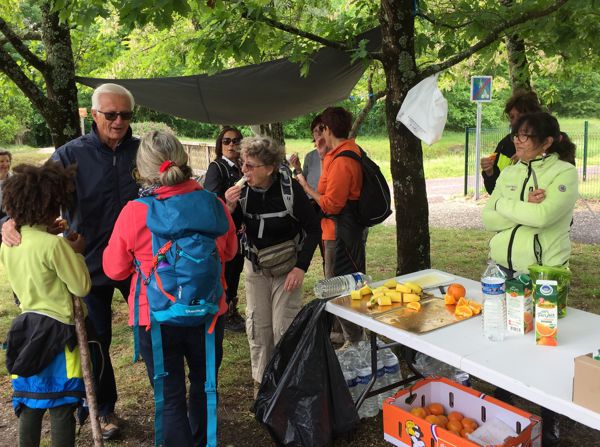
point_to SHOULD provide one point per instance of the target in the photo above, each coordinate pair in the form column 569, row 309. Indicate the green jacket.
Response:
column 529, row 233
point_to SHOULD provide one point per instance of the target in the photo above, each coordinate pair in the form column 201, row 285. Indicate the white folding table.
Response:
column 541, row 374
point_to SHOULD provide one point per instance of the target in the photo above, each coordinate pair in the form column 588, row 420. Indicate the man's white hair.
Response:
column 113, row 89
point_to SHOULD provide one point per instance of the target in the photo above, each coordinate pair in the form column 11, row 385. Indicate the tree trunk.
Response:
column 406, row 155
column 63, row 117
column 272, row 130
column 518, row 66
column 58, row 106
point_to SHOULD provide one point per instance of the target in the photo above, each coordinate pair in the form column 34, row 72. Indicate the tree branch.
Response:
column 491, row 37
column 10, row 68
column 21, row 48
column 31, row 35
column 297, row 32
column 372, row 98
column 445, row 25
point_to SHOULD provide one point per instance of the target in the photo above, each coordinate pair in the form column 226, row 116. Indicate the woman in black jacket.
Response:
column 222, row 173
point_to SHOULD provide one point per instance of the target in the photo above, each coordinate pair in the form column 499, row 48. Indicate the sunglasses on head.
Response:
column 111, row 116
column 228, row 141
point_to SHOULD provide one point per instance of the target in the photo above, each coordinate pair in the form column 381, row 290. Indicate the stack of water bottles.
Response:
column 356, row 366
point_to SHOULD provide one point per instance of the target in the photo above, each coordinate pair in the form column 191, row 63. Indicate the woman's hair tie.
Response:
column 166, row 165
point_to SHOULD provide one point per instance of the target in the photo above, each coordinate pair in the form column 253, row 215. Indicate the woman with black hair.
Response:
column 531, row 210
column 222, row 174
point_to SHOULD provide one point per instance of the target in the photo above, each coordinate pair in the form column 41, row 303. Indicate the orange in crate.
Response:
column 467, row 409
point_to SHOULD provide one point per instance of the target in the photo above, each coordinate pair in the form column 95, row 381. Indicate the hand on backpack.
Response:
column 294, row 279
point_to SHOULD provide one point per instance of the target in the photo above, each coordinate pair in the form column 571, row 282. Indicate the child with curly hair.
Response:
column 44, row 271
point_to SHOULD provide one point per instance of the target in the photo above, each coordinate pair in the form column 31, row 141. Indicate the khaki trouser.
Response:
column 269, row 312
column 352, row 332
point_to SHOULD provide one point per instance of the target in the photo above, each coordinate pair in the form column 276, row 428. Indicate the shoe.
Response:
column 234, row 322
column 109, row 426
column 336, row 337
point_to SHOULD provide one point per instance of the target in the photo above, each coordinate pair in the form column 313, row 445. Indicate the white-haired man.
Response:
column 105, row 160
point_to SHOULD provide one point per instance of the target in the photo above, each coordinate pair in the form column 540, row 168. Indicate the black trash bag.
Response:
column 303, row 398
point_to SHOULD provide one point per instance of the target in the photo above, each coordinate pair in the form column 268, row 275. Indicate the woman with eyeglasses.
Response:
column 282, row 231
column 221, row 175
column 531, row 208
column 531, row 211
column 520, row 103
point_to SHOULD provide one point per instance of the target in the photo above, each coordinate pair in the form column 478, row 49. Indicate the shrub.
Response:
column 144, row 127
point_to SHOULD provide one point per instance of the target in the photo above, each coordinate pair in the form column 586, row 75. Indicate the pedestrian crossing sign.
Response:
column 481, row 88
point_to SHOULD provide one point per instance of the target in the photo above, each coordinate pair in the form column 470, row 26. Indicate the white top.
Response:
column 541, row 374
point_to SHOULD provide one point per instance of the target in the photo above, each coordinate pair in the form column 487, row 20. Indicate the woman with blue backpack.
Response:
column 174, row 239
column 282, row 231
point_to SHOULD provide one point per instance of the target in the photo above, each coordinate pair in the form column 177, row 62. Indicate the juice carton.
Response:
column 546, row 312
column 519, row 305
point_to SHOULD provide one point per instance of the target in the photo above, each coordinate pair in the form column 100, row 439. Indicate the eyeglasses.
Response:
column 522, row 137
column 111, row 116
column 228, row 141
column 250, row 166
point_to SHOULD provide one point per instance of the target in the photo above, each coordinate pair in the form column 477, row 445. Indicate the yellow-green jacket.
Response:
column 529, row 233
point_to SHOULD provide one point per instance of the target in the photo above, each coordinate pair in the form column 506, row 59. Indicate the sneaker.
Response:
column 109, row 426
column 234, row 322
column 336, row 338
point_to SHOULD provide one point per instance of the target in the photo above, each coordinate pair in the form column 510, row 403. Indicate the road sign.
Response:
column 481, row 88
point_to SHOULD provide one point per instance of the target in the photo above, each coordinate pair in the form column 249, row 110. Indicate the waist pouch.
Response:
column 278, row 259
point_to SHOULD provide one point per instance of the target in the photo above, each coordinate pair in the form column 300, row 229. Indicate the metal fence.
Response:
column 587, row 156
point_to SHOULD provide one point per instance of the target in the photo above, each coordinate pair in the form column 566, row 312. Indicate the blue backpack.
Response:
column 184, row 284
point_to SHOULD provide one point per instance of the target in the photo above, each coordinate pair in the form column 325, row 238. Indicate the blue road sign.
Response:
column 481, row 88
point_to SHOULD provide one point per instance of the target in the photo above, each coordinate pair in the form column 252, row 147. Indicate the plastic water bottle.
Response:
column 350, row 375
column 494, row 302
column 428, row 366
column 392, row 374
column 340, row 285
column 369, row 407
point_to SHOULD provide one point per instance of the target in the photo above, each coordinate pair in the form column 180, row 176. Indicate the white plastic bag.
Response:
column 424, row 110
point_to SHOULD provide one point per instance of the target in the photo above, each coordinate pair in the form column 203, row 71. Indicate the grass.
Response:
column 462, row 252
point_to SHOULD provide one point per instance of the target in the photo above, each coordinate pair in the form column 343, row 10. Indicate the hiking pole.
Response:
column 88, row 380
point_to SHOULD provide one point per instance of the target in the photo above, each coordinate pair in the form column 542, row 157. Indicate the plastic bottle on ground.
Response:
column 392, row 374
column 340, row 285
column 428, row 366
column 369, row 407
column 494, row 302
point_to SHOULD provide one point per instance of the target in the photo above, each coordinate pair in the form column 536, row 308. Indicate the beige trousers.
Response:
column 269, row 312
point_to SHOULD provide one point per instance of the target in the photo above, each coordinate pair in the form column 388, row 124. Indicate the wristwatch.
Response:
column 297, row 172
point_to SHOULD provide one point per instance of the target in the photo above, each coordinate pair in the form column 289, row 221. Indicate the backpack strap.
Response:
column 210, row 388
column 287, row 193
column 136, row 310
column 159, row 380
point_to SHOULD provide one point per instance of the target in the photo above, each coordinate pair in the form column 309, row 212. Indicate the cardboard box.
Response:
column 401, row 428
column 586, row 383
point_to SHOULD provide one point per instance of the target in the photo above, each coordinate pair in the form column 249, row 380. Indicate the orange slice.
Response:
column 463, row 311
column 543, row 330
column 414, row 306
column 462, row 301
column 475, row 307
column 449, row 299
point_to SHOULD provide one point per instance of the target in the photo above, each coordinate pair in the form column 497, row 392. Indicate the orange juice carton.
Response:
column 546, row 312
column 519, row 305
column 438, row 412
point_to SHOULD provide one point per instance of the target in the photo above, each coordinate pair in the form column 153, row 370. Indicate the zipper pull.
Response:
column 114, row 160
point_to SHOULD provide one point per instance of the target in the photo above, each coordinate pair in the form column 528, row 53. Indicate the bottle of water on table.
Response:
column 494, row 302
column 340, row 285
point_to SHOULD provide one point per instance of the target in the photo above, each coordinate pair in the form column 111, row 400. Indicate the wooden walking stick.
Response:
column 88, row 379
